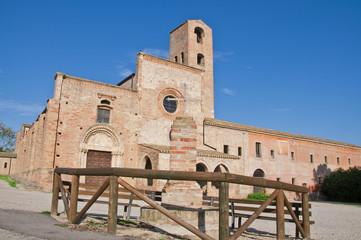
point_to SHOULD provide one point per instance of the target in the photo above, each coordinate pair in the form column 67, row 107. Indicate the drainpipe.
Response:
column 204, row 137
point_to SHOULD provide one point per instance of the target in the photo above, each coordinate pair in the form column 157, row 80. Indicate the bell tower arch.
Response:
column 191, row 44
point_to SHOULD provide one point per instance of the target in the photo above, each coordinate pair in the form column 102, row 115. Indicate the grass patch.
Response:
column 126, row 222
column 45, row 212
column 11, row 181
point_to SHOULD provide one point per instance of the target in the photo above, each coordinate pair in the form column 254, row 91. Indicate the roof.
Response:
column 200, row 152
column 7, row 155
column 241, row 127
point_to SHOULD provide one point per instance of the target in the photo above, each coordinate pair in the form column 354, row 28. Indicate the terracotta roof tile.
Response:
column 241, row 127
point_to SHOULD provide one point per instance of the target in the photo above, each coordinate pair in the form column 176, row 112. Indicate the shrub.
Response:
column 260, row 195
column 343, row 185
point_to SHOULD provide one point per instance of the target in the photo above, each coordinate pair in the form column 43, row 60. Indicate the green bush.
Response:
column 343, row 185
column 260, row 195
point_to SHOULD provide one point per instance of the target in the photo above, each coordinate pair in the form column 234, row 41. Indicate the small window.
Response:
column 338, row 160
column 349, row 161
column 258, row 150
column 5, row 165
column 106, row 102
column 176, row 58
column 225, row 148
column 239, row 151
column 311, row 158
column 200, row 34
column 170, row 105
column 103, row 115
column 292, row 156
column 200, row 59
column 293, row 181
column 326, row 160
column 272, row 154
column 182, row 57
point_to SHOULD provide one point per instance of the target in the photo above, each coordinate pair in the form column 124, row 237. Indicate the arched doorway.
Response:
column 100, row 147
column 259, row 173
column 200, row 167
column 220, row 168
column 148, row 165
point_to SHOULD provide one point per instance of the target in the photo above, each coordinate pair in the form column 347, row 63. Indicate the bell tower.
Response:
column 191, row 44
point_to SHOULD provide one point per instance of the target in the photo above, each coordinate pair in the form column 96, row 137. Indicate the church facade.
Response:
column 128, row 125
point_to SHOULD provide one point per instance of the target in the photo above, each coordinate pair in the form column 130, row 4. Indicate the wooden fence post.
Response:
column 54, row 201
column 113, row 205
column 223, row 210
column 74, row 197
column 306, row 215
column 280, row 214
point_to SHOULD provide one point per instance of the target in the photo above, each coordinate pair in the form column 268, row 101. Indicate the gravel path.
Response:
column 21, row 218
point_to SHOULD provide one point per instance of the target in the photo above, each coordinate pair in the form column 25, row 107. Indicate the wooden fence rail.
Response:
column 223, row 178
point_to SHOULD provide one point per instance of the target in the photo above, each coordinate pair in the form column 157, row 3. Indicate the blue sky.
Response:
column 290, row 65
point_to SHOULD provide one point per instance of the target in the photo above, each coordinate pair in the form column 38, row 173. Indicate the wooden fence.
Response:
column 224, row 180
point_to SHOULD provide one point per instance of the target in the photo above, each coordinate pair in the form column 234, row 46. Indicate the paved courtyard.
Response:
column 21, row 218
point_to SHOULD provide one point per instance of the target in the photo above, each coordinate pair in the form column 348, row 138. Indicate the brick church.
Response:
column 94, row 124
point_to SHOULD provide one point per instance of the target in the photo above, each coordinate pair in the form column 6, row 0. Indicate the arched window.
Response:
column 106, row 102
column 200, row 59
column 148, row 165
column 5, row 165
column 259, row 173
column 200, row 34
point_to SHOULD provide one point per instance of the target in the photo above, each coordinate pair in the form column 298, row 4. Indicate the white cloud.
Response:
column 123, row 71
column 21, row 108
column 222, row 56
column 281, row 109
column 228, row 91
column 157, row 52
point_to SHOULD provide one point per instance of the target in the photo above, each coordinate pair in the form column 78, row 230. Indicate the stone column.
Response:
column 183, row 158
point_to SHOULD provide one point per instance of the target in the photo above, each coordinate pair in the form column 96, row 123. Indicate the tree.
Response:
column 343, row 185
column 7, row 138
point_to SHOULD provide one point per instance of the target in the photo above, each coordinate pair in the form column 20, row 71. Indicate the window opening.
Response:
column 293, row 181
column 239, row 151
column 326, row 160
column 170, row 105
column 258, row 150
column 106, row 102
column 182, row 57
column 272, row 154
column 200, row 59
column 103, row 115
column 200, row 34
column 225, row 148
column 5, row 165
column 349, row 161
column 338, row 160
column 148, row 165
column 293, row 156
column 311, row 158
column 176, row 58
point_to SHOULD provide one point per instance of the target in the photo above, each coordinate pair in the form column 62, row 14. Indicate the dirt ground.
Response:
column 24, row 215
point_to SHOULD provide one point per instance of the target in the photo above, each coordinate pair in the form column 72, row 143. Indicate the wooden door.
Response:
column 98, row 159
